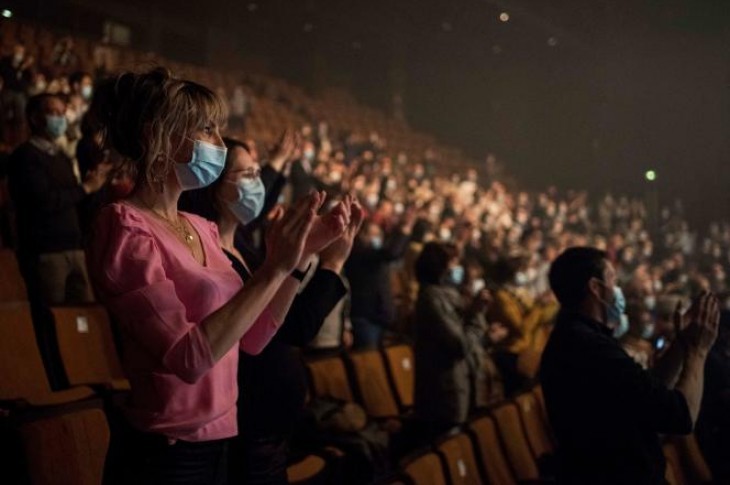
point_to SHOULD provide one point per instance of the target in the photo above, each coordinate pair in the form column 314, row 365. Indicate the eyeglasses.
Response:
column 248, row 173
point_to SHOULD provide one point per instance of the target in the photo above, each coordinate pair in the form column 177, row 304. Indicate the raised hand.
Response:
column 334, row 256
column 328, row 227
column 287, row 149
column 97, row 177
column 288, row 233
column 703, row 322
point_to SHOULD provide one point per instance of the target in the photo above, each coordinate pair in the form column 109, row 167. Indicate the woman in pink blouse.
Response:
column 180, row 309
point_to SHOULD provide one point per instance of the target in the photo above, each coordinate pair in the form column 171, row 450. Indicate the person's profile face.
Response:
column 242, row 166
column 207, row 132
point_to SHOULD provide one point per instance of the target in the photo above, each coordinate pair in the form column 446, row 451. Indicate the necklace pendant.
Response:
column 189, row 238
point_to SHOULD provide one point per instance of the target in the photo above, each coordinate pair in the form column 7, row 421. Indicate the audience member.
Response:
column 180, row 307
column 594, row 389
column 45, row 195
column 449, row 348
column 369, row 272
column 273, row 382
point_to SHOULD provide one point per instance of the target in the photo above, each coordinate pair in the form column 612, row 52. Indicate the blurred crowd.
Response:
column 474, row 232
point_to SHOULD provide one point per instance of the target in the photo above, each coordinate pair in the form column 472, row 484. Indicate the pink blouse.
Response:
column 158, row 294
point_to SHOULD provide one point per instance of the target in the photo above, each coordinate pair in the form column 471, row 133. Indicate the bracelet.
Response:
column 300, row 275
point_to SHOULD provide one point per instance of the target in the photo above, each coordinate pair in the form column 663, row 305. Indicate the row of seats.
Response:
column 512, row 444
column 501, row 447
column 382, row 381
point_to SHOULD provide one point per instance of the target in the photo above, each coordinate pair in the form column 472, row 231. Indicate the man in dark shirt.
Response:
column 45, row 194
column 368, row 271
column 605, row 410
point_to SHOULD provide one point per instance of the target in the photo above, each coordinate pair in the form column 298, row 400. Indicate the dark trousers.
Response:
column 137, row 458
column 258, row 461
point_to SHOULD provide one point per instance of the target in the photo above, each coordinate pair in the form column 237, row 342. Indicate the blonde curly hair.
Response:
column 146, row 118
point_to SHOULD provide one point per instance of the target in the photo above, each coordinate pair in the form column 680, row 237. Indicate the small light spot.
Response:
column 7, row 13
column 504, row 17
column 650, row 175
column 552, row 41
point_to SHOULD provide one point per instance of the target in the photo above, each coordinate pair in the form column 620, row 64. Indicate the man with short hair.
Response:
column 606, row 411
column 45, row 195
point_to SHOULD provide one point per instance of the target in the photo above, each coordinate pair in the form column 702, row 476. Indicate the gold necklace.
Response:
column 180, row 228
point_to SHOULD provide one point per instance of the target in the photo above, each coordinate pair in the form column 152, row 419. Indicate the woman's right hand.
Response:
column 287, row 235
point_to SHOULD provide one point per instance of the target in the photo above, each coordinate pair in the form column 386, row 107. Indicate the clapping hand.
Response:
column 333, row 257
column 699, row 326
column 287, row 150
column 289, row 231
column 328, row 227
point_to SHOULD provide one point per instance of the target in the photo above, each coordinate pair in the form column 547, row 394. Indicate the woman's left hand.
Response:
column 328, row 227
column 333, row 257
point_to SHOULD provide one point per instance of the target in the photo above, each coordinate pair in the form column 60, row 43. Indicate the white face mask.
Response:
column 650, row 302
column 372, row 199
column 477, row 286
column 376, row 242
column 521, row 278
column 647, row 331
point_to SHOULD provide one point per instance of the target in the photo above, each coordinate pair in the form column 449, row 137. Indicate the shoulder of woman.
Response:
column 121, row 237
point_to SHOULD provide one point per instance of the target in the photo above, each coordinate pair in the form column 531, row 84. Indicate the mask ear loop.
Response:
column 603, row 302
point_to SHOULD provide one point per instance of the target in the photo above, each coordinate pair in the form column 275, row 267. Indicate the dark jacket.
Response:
column 14, row 79
column 449, row 356
column 368, row 271
column 45, row 195
column 606, row 411
column 273, row 384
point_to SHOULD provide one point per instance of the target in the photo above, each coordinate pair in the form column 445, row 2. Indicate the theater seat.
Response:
column 536, row 430
column 425, row 469
column 516, row 446
column 87, row 347
column 400, row 361
column 329, row 378
column 540, row 399
column 68, row 449
column 310, row 469
column 489, row 452
column 22, row 376
column 12, row 285
column 458, row 454
column 372, row 381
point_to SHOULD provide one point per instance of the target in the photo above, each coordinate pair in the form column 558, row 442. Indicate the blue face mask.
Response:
column 647, row 331
column 56, row 125
column 456, row 275
column 251, row 196
column 615, row 312
column 86, row 92
column 204, row 168
column 376, row 242
column 622, row 327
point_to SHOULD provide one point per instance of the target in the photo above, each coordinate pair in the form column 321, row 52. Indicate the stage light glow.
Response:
column 6, row 13
column 504, row 17
column 650, row 175
column 552, row 41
